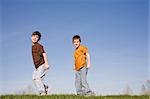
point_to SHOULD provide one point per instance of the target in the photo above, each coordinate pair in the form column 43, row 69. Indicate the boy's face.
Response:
column 76, row 43
column 34, row 38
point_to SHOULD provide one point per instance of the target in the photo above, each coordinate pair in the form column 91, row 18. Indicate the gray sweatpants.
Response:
column 81, row 84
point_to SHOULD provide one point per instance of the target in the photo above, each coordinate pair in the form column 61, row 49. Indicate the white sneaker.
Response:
column 42, row 94
column 90, row 94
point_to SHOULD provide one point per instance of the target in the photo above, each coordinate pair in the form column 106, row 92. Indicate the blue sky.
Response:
column 115, row 31
column 149, row 42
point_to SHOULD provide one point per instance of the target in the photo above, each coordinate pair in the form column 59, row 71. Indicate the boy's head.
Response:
column 36, row 36
column 76, row 40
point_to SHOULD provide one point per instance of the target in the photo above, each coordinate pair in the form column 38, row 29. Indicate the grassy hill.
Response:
column 70, row 97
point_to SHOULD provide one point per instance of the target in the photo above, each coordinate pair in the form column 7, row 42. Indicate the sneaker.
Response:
column 46, row 89
column 80, row 94
column 90, row 93
column 42, row 94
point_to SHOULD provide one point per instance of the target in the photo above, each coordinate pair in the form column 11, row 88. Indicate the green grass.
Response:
column 70, row 97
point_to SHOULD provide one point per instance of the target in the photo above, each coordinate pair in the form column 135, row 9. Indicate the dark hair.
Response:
column 76, row 37
column 37, row 33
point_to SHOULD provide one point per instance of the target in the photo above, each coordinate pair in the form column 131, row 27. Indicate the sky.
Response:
column 149, row 41
column 115, row 32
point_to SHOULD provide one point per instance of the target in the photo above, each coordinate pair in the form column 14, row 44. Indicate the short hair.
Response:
column 37, row 33
column 76, row 37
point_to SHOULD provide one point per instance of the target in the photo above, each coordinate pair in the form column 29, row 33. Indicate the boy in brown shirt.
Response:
column 41, row 63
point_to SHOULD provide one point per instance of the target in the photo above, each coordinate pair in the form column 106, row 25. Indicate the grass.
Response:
column 70, row 97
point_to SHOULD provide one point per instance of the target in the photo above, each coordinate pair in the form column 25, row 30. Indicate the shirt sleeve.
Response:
column 85, row 50
column 42, row 49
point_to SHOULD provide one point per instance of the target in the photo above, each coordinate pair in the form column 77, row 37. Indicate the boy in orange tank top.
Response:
column 81, row 65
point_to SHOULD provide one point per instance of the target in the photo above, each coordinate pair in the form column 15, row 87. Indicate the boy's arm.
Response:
column 74, row 67
column 88, row 60
column 46, row 60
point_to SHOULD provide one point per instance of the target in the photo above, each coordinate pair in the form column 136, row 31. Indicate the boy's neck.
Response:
column 34, row 43
column 78, row 47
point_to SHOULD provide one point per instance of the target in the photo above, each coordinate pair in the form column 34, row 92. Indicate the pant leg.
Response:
column 38, row 81
column 33, row 78
column 42, row 78
column 78, row 83
column 85, row 85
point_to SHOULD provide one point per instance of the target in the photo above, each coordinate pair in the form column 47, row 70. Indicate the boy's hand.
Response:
column 46, row 66
column 88, row 66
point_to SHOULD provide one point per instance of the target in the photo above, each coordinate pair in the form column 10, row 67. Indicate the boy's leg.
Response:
column 78, row 83
column 85, row 85
column 46, row 89
column 33, row 78
column 38, row 80
column 42, row 78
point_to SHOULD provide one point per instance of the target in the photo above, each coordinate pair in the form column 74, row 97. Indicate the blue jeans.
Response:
column 38, row 78
column 81, row 84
